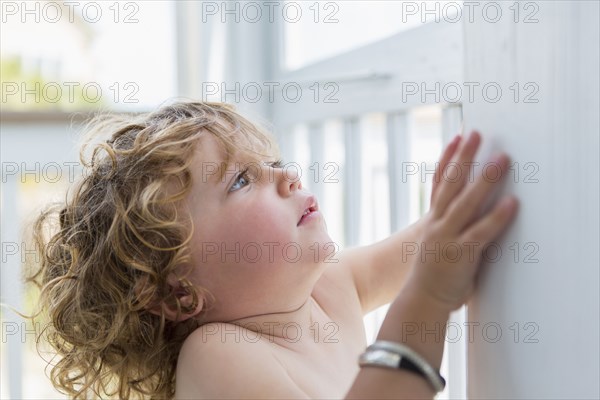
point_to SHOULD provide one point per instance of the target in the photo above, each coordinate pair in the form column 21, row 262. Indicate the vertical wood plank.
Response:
column 542, row 294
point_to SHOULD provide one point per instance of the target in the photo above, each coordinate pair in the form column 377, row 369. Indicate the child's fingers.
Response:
column 453, row 182
column 492, row 224
column 466, row 206
column 444, row 160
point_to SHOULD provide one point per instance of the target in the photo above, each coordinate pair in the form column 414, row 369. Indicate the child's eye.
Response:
column 240, row 181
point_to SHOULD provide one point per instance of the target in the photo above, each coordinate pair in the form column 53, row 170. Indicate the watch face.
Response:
column 381, row 357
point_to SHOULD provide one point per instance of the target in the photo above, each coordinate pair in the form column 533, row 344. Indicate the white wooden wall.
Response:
column 547, row 309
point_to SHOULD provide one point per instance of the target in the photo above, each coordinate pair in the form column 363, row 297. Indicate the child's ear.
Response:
column 191, row 303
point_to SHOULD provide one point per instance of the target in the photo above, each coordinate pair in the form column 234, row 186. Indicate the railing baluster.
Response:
column 455, row 366
column 352, row 182
column 317, row 159
column 12, row 290
column 451, row 121
column 398, row 140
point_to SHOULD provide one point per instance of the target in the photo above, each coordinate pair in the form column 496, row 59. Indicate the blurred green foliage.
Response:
column 30, row 91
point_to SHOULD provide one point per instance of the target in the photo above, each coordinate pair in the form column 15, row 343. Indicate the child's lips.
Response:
column 310, row 207
column 310, row 216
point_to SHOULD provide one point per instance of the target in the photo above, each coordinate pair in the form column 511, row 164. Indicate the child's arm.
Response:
column 436, row 285
column 379, row 270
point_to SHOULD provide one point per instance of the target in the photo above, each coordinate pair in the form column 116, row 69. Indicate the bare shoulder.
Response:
column 210, row 367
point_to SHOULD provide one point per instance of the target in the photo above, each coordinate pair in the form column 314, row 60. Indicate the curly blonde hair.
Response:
column 106, row 252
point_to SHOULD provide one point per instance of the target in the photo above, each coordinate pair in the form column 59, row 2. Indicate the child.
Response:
column 187, row 263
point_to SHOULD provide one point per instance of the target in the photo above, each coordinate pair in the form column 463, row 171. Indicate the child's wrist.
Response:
column 410, row 317
column 418, row 294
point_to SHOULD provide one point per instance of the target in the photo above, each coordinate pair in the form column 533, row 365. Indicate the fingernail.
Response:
column 499, row 158
column 509, row 203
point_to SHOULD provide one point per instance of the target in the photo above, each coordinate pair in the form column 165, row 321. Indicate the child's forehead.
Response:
column 210, row 149
column 224, row 151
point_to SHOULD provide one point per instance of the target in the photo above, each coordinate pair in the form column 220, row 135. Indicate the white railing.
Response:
column 411, row 61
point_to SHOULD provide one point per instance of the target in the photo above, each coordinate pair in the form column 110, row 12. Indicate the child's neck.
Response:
column 292, row 326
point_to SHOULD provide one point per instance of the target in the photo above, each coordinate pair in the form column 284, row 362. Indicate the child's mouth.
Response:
column 309, row 213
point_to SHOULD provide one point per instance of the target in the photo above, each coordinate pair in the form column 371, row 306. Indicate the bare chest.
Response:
column 324, row 361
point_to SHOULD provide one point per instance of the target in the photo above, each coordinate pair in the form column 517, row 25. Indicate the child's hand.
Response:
column 454, row 235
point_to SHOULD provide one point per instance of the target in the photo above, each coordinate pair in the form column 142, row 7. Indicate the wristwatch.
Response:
column 396, row 356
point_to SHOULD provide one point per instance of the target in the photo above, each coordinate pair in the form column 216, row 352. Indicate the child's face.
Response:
column 250, row 248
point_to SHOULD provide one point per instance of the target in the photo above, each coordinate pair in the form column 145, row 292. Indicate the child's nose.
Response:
column 289, row 181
